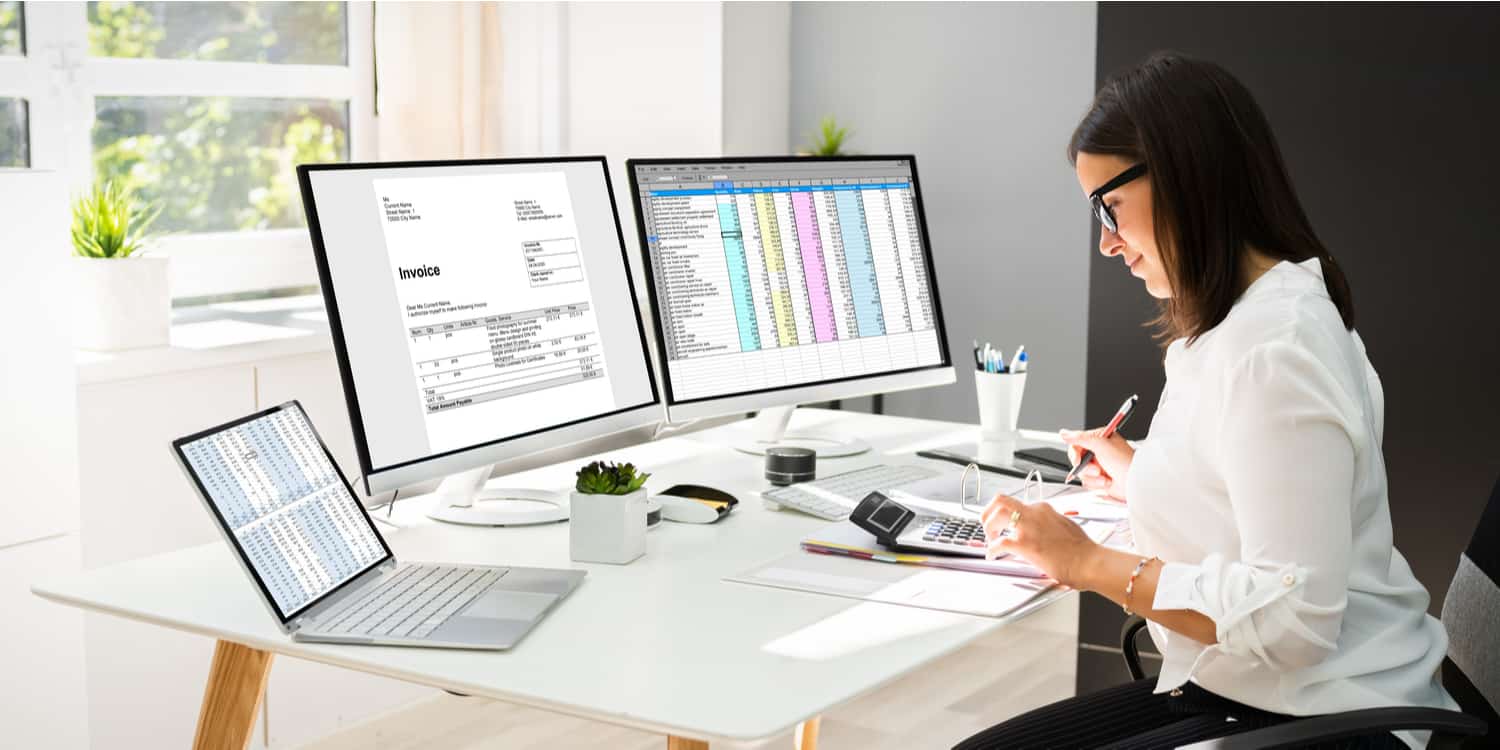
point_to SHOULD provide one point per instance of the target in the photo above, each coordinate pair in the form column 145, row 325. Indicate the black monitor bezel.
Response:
column 335, row 322
column 228, row 531
column 656, row 317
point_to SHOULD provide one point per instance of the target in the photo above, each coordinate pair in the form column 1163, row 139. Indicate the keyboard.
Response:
column 832, row 498
column 414, row 601
column 944, row 535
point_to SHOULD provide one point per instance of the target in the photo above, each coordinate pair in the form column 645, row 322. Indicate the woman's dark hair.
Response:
column 1219, row 186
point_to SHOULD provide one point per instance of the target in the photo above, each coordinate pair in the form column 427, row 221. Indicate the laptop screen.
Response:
column 273, row 487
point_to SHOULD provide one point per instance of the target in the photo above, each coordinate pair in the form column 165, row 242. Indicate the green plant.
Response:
column 108, row 222
column 830, row 138
column 600, row 478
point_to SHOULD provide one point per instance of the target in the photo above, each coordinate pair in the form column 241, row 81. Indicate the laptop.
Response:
column 323, row 569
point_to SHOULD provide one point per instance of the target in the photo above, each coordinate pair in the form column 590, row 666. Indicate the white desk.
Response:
column 662, row 644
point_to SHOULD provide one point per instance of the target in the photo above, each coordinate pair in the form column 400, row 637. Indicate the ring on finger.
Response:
column 1015, row 518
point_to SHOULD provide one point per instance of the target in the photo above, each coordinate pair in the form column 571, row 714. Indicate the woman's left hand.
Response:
column 1047, row 539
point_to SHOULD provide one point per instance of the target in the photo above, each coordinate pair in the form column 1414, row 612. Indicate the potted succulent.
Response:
column 122, row 297
column 608, row 522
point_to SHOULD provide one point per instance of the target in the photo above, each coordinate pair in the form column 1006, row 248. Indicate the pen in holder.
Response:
column 999, row 412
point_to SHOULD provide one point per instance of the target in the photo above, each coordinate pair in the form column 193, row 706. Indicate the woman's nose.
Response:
column 1110, row 243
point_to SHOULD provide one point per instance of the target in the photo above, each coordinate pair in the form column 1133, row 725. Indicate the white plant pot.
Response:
column 121, row 303
column 607, row 528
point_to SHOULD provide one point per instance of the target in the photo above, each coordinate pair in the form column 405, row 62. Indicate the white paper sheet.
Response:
column 948, row 590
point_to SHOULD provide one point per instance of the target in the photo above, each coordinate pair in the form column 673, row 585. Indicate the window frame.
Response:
column 60, row 82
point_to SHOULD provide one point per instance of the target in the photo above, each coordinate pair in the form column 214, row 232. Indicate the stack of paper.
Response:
column 841, row 565
column 947, row 590
column 850, row 540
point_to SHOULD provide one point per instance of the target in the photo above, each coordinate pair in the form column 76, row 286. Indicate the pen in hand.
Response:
column 1109, row 431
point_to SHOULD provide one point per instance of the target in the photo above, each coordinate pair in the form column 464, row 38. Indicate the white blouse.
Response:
column 1263, row 487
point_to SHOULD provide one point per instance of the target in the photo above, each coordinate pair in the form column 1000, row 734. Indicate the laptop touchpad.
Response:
column 509, row 605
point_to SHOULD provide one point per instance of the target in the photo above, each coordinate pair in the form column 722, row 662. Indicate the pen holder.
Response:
column 999, row 405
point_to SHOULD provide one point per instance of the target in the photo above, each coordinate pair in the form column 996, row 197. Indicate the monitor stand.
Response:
column 463, row 498
column 768, row 429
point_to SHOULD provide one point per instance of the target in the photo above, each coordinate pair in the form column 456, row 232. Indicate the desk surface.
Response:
column 662, row 644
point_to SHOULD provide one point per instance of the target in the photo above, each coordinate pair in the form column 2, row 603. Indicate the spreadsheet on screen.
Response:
column 771, row 274
column 286, row 506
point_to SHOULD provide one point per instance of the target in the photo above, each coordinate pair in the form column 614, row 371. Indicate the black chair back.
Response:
column 1471, row 615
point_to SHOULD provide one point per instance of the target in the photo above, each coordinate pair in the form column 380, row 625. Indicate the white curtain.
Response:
column 438, row 67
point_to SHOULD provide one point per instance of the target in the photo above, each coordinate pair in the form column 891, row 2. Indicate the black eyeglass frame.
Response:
column 1096, row 198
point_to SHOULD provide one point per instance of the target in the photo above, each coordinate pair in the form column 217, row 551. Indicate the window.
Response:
column 204, row 106
column 14, row 135
column 12, row 29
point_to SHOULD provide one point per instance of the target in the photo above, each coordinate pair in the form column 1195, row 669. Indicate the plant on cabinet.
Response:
column 121, row 292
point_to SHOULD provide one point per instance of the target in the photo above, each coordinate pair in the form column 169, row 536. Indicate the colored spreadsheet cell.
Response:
column 772, row 282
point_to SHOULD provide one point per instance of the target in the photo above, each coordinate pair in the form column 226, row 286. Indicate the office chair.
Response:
column 1471, row 671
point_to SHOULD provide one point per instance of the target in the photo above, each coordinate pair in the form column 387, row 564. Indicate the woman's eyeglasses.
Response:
column 1096, row 198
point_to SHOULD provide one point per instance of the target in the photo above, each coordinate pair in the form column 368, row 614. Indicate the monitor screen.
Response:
column 777, row 273
column 475, row 302
column 282, row 502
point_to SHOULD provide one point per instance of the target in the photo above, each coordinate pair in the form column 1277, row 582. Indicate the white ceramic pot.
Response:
column 121, row 303
column 607, row 528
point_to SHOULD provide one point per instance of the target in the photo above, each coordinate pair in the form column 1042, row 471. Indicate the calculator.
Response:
column 898, row 527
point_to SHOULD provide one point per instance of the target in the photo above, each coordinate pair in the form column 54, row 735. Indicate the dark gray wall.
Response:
column 985, row 95
column 1388, row 117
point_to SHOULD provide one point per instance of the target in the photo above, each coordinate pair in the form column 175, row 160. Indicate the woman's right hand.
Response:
column 1111, row 464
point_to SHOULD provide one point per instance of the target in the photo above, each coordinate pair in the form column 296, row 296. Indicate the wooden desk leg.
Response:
column 806, row 737
column 231, row 699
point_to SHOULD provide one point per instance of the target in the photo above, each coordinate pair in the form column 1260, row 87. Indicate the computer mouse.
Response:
column 693, row 503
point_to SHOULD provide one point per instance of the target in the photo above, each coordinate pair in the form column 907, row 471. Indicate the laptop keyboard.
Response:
column 833, row 498
column 414, row 601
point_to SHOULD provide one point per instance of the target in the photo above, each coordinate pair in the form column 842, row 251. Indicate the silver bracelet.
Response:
column 1130, row 584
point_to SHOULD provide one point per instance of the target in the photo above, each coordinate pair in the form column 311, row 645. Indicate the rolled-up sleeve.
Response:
column 1287, row 442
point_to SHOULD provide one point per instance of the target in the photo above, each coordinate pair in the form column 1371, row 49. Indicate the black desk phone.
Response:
column 898, row 527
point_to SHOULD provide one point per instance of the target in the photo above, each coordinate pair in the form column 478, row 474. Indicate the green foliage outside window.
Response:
column 218, row 163
column 306, row 33
column 10, row 28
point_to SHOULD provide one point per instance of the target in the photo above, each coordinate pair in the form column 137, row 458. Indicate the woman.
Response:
column 1263, row 556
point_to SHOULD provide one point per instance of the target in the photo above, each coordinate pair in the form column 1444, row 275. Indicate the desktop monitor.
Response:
column 481, row 310
column 783, row 280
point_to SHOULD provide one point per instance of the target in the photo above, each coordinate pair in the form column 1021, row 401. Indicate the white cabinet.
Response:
column 136, row 501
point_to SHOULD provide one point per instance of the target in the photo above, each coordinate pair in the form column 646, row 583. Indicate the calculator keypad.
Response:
column 956, row 532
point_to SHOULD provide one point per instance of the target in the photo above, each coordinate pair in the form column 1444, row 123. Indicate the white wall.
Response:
column 757, row 77
column 985, row 95
column 42, row 696
column 645, row 79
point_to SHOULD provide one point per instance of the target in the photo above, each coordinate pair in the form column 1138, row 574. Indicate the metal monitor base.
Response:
column 463, row 499
column 768, row 430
